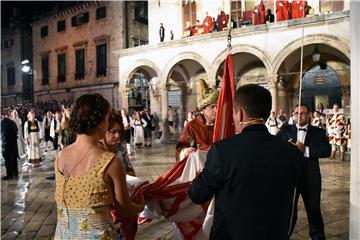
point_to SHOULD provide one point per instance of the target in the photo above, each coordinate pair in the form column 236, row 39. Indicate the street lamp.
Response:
column 27, row 80
column 25, row 66
column 316, row 54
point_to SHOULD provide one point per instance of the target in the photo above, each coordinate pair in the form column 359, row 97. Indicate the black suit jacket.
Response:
column 315, row 139
column 9, row 132
column 253, row 176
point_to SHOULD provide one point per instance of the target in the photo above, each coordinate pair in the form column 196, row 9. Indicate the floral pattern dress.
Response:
column 84, row 204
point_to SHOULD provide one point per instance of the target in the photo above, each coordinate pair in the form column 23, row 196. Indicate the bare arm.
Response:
column 123, row 203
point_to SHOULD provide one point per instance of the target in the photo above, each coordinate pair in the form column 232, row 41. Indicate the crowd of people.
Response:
column 91, row 168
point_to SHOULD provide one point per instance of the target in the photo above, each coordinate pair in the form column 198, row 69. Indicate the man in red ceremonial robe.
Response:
column 207, row 23
column 297, row 9
column 221, row 20
column 199, row 132
column 259, row 14
column 282, row 10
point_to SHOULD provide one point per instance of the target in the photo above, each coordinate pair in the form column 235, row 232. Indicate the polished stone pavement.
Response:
column 27, row 204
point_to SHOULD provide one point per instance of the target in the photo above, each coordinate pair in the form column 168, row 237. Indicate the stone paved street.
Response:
column 27, row 205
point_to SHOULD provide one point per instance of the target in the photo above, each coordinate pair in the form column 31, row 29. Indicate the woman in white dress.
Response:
column 139, row 124
column 32, row 135
column 20, row 139
column 273, row 124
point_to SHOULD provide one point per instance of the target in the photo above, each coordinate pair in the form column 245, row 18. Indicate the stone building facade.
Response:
column 267, row 54
column 16, row 86
column 73, row 48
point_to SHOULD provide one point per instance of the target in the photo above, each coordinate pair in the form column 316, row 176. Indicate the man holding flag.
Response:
column 199, row 132
column 254, row 190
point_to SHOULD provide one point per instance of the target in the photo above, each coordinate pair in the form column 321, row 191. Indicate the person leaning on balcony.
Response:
column 208, row 23
column 221, row 19
column 89, row 180
column 282, row 10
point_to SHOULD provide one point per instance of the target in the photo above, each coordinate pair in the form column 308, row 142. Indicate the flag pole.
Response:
column 229, row 32
column 301, row 59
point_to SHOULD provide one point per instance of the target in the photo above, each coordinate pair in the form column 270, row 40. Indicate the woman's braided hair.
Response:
column 88, row 112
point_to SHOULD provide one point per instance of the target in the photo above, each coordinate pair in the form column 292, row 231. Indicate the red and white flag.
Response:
column 224, row 123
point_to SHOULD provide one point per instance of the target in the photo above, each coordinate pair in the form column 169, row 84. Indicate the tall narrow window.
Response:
column 45, row 70
column 101, row 12
column 141, row 11
column 11, row 76
column 61, row 26
column 44, row 31
column 61, row 68
column 236, row 12
column 189, row 14
column 80, row 64
column 101, row 60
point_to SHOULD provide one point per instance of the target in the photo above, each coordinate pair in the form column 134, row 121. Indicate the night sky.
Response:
column 29, row 9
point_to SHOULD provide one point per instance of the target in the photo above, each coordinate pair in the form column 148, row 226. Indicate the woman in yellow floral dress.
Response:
column 88, row 179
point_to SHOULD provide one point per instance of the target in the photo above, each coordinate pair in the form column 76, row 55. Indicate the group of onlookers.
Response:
column 337, row 127
column 284, row 10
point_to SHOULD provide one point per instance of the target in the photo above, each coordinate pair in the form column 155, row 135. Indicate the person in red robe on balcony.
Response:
column 199, row 132
column 259, row 14
column 221, row 20
column 207, row 23
column 297, row 9
column 282, row 10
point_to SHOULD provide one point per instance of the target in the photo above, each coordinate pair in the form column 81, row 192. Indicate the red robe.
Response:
column 282, row 10
column 297, row 9
column 259, row 14
column 221, row 20
column 208, row 24
column 196, row 134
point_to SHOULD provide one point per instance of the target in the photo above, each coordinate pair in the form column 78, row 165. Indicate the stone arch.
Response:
column 180, row 57
column 338, row 43
column 124, row 80
column 262, row 55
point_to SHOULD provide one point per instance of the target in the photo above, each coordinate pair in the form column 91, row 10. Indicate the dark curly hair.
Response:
column 88, row 112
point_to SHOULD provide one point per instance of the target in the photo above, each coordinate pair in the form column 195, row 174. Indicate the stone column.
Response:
column 272, row 81
column 182, row 110
column 355, row 121
column 165, row 137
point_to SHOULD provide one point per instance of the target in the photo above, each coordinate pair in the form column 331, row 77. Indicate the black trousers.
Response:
column 310, row 190
column 127, row 134
column 55, row 141
column 11, row 163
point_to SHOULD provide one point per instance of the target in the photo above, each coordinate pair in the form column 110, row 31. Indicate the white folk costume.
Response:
column 32, row 133
column 273, row 125
column 139, row 126
column 127, row 131
column 20, row 139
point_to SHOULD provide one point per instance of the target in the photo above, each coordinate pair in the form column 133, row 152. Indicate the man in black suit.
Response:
column 10, row 152
column 312, row 141
column 253, row 175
